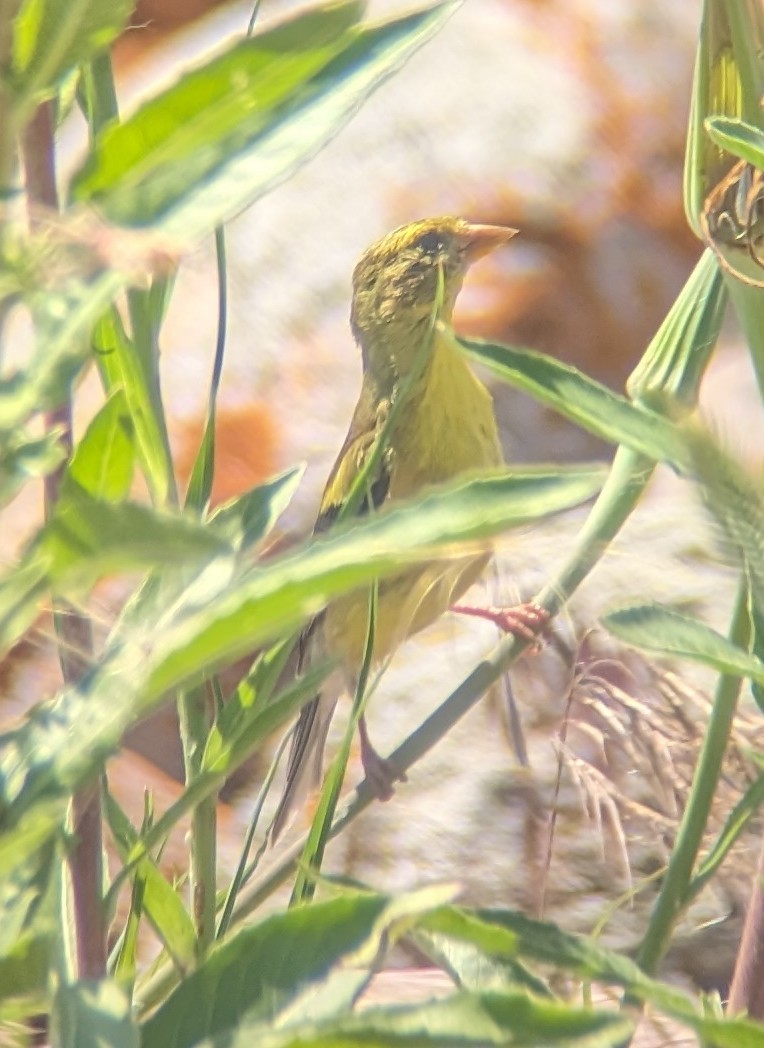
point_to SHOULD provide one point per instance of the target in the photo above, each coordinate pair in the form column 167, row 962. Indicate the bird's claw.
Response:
column 526, row 621
column 380, row 772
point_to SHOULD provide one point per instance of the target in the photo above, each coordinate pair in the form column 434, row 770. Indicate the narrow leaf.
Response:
column 247, row 519
column 21, row 591
column 737, row 137
column 102, row 464
column 62, row 319
column 464, row 1020
column 210, row 115
column 584, row 401
column 656, row 627
column 23, row 458
column 222, row 616
column 122, row 369
column 261, row 968
column 203, row 472
column 160, row 900
column 225, row 135
column 548, row 944
column 737, row 822
column 91, row 1015
column 87, row 538
column 52, row 37
column 276, row 598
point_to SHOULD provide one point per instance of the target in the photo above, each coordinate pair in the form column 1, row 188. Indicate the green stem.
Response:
column 144, row 325
column 194, row 717
column 194, row 713
column 627, row 480
column 673, row 894
column 99, row 93
column 8, row 129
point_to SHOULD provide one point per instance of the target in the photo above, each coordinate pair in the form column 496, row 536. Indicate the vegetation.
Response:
column 93, row 270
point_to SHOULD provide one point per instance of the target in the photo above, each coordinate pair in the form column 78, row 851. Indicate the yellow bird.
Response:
column 446, row 429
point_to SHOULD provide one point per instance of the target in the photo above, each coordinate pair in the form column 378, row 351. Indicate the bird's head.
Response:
column 395, row 284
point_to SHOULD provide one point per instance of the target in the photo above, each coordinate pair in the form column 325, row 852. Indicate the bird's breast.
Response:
column 448, row 427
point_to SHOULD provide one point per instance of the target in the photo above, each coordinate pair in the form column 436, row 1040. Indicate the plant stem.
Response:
column 747, row 987
column 193, row 714
column 72, row 627
column 673, row 894
column 193, row 711
column 8, row 12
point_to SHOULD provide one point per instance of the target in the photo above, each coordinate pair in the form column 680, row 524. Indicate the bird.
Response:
column 445, row 428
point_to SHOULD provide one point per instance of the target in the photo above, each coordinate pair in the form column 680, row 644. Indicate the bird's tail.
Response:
column 304, row 770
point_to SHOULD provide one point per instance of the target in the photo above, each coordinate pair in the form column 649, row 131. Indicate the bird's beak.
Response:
column 479, row 240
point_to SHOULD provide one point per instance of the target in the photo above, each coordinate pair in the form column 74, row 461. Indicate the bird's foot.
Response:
column 526, row 621
column 380, row 773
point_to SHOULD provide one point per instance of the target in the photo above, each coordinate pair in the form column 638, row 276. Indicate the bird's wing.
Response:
column 366, row 426
column 304, row 767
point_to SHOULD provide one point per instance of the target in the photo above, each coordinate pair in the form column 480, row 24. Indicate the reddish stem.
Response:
column 747, row 988
column 72, row 627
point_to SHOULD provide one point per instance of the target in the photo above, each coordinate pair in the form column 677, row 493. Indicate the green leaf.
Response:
column 122, row 368
column 102, row 464
column 736, row 823
column 656, row 627
column 463, row 1020
column 545, row 943
column 51, row 37
column 261, row 969
column 225, row 752
column 203, row 472
column 26, row 836
column 226, row 134
column 27, row 920
column 584, row 401
column 21, row 591
column 277, row 597
column 160, row 900
column 22, row 892
column 245, row 520
column 473, row 969
column 221, row 757
column 731, row 1033
column 23, row 457
column 62, row 317
column 67, row 743
column 479, row 955
column 548, row 944
column 87, row 538
column 92, row 1015
column 738, row 138
column 25, row 969
column 221, row 617
column 209, row 116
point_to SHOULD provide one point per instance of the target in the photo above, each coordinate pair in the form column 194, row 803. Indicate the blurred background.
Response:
column 567, row 121
column 564, row 120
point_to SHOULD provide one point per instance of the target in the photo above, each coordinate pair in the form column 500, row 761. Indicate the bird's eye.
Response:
column 430, row 243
